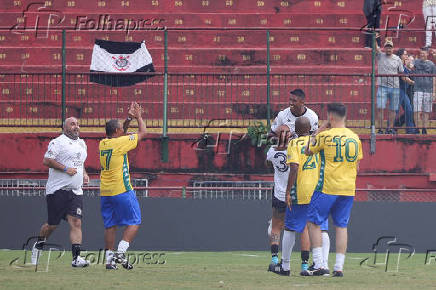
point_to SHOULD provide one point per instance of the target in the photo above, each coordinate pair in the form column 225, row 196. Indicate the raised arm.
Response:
column 141, row 124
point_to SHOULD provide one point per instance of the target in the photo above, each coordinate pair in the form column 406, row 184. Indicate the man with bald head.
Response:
column 65, row 159
column 302, row 177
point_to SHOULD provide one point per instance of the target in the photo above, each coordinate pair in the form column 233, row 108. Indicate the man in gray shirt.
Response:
column 424, row 90
column 388, row 86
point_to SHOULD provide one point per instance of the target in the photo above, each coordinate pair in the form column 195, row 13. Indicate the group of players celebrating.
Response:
column 315, row 173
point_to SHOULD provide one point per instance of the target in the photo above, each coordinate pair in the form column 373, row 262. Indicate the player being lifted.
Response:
column 303, row 176
column 287, row 117
column 119, row 205
column 340, row 152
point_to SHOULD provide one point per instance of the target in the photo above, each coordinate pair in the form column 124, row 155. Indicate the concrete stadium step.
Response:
column 209, row 39
column 247, row 90
column 82, row 21
column 187, row 69
column 276, row 6
column 198, row 56
column 176, row 110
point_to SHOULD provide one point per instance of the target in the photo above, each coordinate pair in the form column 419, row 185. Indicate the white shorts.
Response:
column 422, row 102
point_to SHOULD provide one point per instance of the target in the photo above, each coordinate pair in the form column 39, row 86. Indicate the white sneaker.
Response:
column 36, row 254
column 80, row 262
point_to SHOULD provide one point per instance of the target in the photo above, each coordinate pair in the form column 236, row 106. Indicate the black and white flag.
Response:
column 120, row 60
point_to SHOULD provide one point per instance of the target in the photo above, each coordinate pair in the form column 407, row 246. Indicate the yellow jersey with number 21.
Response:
column 308, row 170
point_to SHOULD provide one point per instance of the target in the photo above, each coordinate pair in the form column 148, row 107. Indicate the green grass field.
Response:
column 206, row 270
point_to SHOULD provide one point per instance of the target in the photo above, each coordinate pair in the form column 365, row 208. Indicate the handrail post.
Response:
column 373, row 56
column 165, row 102
column 64, row 101
column 268, row 84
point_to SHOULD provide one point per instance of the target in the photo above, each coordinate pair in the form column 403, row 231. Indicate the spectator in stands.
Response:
column 429, row 12
column 424, row 89
column 407, row 117
column 389, row 86
column 372, row 10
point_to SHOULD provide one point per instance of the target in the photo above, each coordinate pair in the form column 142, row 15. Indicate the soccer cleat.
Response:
column 278, row 269
column 120, row 258
column 304, row 267
column 315, row 272
column 79, row 262
column 36, row 254
column 111, row 266
column 274, row 260
column 338, row 274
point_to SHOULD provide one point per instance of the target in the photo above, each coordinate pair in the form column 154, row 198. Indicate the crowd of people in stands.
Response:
column 414, row 91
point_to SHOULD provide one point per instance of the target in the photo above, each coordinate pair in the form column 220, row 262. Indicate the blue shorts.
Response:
column 339, row 206
column 120, row 210
column 297, row 218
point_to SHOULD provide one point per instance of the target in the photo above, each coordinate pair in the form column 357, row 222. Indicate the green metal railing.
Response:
column 194, row 101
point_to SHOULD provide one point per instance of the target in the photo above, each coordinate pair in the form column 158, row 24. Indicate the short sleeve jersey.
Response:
column 339, row 150
column 114, row 162
column 72, row 154
column 285, row 117
column 281, row 172
column 308, row 170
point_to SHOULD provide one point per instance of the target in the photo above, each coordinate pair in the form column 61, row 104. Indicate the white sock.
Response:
column 109, row 256
column 325, row 249
column 288, row 243
column 317, row 257
column 340, row 258
column 123, row 246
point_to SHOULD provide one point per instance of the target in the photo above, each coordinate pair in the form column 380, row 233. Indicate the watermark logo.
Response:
column 396, row 19
column 385, row 250
column 106, row 22
column 38, row 18
column 42, row 258
column 135, row 258
column 215, row 141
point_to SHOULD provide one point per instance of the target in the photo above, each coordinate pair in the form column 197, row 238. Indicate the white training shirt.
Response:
column 72, row 154
column 281, row 172
column 285, row 117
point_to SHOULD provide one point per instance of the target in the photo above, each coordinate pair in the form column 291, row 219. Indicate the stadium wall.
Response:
column 217, row 225
column 399, row 155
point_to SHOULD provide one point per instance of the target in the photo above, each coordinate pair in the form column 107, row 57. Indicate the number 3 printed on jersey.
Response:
column 282, row 161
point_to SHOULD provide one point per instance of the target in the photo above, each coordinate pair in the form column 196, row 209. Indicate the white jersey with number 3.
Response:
column 281, row 172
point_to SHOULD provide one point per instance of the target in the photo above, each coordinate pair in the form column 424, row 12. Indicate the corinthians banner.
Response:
column 120, row 60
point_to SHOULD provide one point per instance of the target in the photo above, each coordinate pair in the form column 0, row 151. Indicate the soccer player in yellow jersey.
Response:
column 119, row 205
column 340, row 151
column 303, row 177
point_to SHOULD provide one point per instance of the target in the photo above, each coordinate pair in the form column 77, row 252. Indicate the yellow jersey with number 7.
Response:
column 115, row 176
column 308, row 170
column 339, row 150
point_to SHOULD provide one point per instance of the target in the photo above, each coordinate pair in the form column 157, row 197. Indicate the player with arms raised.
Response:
column 119, row 205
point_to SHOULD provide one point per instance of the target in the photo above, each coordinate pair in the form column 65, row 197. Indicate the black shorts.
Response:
column 278, row 204
column 62, row 203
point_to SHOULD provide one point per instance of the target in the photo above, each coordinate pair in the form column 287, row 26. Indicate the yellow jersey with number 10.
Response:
column 308, row 170
column 114, row 176
column 339, row 150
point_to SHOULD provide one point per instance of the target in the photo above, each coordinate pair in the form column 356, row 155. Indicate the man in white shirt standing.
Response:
column 65, row 158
